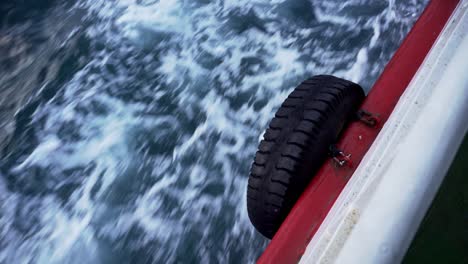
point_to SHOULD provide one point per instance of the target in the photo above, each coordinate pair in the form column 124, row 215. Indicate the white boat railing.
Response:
column 378, row 213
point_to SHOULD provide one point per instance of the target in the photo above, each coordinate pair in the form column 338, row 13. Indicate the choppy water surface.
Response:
column 128, row 126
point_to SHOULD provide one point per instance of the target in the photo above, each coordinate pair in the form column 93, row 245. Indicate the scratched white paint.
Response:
column 392, row 188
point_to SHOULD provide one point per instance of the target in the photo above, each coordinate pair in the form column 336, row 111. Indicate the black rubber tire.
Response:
column 295, row 146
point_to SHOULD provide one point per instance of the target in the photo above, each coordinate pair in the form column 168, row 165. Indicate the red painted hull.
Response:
column 305, row 218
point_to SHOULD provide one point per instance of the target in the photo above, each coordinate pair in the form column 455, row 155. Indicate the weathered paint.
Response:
column 291, row 240
column 398, row 177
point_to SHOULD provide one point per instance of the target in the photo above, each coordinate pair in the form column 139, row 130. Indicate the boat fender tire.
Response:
column 295, row 145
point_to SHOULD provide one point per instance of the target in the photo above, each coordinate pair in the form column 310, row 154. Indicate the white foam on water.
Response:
column 173, row 167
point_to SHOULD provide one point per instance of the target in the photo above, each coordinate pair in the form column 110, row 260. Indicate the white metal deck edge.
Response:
column 378, row 213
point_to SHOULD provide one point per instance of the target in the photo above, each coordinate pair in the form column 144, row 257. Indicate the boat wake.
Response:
column 141, row 152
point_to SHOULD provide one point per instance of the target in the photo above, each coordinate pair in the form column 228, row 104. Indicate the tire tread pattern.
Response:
column 295, row 145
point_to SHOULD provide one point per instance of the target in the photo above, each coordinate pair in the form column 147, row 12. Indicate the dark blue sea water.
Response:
column 127, row 127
